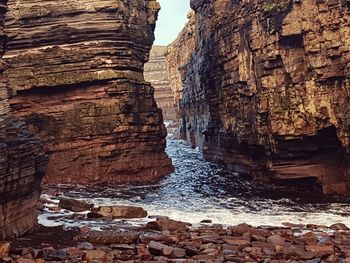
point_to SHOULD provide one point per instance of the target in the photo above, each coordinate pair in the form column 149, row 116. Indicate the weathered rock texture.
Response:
column 22, row 164
column 156, row 73
column 267, row 89
column 76, row 68
column 178, row 54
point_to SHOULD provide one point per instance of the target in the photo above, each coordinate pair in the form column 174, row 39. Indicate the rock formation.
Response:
column 267, row 89
column 178, row 54
column 76, row 69
column 22, row 164
column 156, row 72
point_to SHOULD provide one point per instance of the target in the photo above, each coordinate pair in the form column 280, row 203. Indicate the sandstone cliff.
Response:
column 76, row 70
column 267, row 89
column 178, row 54
column 22, row 164
column 156, row 72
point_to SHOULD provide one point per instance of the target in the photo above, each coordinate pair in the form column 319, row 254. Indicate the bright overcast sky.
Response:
column 171, row 20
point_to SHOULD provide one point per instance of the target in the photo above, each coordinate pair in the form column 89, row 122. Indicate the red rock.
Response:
column 276, row 240
column 143, row 253
column 83, row 92
column 159, row 249
column 241, row 229
column 179, row 253
column 156, row 73
column 22, row 166
column 121, row 211
column 237, row 241
column 25, row 260
column 167, row 224
column 339, row 226
column 176, row 59
column 243, row 84
column 95, row 255
column 4, row 249
column 309, row 238
column 320, row 250
column 74, row 205
column 111, row 237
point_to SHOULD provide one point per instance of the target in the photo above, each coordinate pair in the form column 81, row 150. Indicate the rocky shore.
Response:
column 161, row 239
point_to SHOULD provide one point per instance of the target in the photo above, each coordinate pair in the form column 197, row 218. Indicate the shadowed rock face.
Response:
column 267, row 89
column 22, row 164
column 156, row 73
column 76, row 69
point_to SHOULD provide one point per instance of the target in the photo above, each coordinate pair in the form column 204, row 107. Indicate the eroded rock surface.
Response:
column 267, row 89
column 156, row 73
column 22, row 164
column 76, row 68
column 178, row 54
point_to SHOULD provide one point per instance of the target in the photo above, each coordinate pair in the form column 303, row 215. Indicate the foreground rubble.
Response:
column 166, row 240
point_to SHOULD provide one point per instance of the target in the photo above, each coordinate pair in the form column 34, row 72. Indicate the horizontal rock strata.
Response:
column 22, row 164
column 178, row 54
column 156, row 73
column 266, row 90
column 77, row 71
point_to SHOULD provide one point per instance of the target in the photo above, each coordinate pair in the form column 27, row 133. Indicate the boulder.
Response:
column 159, row 249
column 74, row 205
column 339, row 226
column 167, row 224
column 127, row 212
column 111, row 237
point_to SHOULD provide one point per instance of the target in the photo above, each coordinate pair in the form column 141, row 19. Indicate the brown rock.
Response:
column 266, row 93
column 4, row 249
column 240, row 242
column 178, row 54
column 121, row 211
column 111, row 237
column 159, row 249
column 156, row 73
column 25, row 260
column 276, row 240
column 74, row 205
column 167, row 224
column 320, row 250
column 179, row 253
column 339, row 226
column 309, row 238
column 79, row 86
column 95, row 255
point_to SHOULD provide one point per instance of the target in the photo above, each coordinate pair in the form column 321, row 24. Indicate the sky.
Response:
column 172, row 18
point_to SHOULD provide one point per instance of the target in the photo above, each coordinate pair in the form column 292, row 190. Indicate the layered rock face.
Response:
column 267, row 89
column 178, row 54
column 76, row 68
column 156, row 73
column 22, row 164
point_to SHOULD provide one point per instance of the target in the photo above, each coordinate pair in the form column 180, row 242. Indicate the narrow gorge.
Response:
column 157, row 74
column 226, row 141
